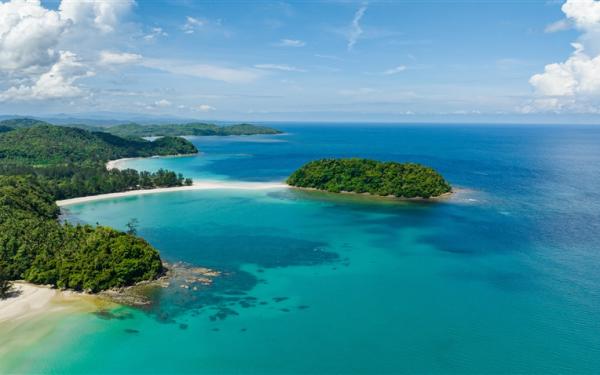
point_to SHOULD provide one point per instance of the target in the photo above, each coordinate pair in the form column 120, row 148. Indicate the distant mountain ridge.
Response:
column 159, row 130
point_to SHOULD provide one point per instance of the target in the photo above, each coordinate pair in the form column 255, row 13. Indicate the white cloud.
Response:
column 29, row 34
column 103, row 15
column 573, row 85
column 396, row 70
column 284, row 68
column 290, row 43
column 37, row 48
column 163, row 103
column 58, row 82
column 580, row 74
column 212, row 72
column 204, row 108
column 355, row 29
column 559, row 25
column 154, row 34
column 192, row 24
column 585, row 13
column 118, row 58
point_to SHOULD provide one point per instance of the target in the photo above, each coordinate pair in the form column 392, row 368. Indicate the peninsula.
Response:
column 364, row 176
column 188, row 129
column 40, row 164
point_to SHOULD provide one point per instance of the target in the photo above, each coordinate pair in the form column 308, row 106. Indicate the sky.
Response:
column 392, row 61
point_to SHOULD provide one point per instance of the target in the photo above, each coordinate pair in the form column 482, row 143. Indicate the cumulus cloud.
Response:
column 29, row 34
column 34, row 50
column 355, row 28
column 119, row 58
column 102, row 15
column 585, row 13
column 573, row 85
column 284, row 68
column 58, row 82
column 290, row 43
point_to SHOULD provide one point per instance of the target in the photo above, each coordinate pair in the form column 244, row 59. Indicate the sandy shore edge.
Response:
column 197, row 185
column 29, row 300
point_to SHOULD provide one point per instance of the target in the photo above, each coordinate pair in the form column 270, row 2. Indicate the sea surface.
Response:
column 501, row 278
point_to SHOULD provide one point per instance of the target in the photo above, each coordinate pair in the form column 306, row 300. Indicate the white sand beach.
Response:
column 118, row 163
column 197, row 185
column 29, row 300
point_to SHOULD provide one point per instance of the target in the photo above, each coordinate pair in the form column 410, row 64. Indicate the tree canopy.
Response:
column 47, row 144
column 35, row 247
column 42, row 163
column 137, row 130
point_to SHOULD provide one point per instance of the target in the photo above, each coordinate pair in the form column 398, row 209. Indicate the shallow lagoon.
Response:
column 502, row 278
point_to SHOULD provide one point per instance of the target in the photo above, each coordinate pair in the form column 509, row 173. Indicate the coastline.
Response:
column 32, row 313
column 441, row 197
column 197, row 185
column 115, row 164
column 30, row 300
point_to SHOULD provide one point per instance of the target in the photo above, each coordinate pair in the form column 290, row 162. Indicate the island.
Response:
column 41, row 163
column 364, row 176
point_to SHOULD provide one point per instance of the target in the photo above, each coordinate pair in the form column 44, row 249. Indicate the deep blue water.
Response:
column 502, row 278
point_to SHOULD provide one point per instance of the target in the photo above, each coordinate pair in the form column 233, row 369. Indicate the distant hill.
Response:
column 17, row 123
column 152, row 130
column 47, row 144
column 137, row 130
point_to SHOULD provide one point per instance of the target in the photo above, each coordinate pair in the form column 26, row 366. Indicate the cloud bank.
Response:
column 573, row 85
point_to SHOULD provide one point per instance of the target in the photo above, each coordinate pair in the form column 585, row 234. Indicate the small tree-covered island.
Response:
column 364, row 176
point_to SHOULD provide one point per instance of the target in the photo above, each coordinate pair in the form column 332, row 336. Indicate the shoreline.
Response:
column 29, row 300
column 33, row 312
column 441, row 197
column 196, row 185
column 115, row 164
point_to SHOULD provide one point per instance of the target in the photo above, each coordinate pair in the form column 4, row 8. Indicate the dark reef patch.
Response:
column 230, row 288
column 113, row 315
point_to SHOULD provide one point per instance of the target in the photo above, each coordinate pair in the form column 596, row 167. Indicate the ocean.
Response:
column 501, row 278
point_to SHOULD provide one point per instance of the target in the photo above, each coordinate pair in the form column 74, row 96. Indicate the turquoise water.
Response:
column 500, row 279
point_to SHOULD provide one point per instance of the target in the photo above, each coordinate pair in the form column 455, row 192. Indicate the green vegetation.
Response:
column 5, row 284
column 42, row 163
column 35, row 247
column 137, row 130
column 22, row 123
column 47, row 144
column 404, row 180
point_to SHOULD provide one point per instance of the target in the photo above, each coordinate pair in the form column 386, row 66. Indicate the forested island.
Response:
column 355, row 175
column 40, row 164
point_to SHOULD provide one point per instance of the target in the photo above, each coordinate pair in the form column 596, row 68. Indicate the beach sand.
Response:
column 32, row 312
column 28, row 300
column 197, row 185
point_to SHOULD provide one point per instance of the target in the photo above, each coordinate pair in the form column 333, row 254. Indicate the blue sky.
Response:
column 317, row 60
